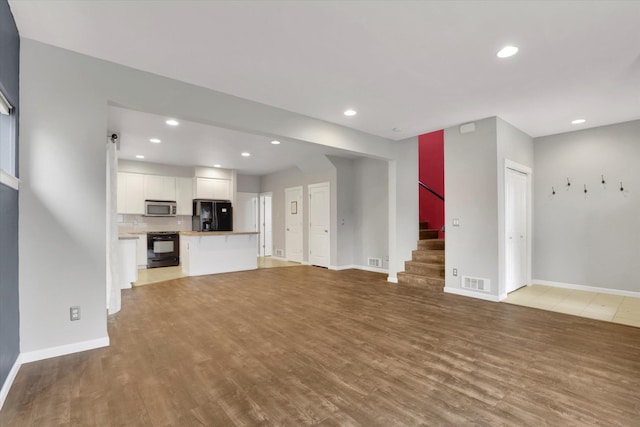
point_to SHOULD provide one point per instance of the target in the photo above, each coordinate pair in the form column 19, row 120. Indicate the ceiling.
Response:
column 412, row 66
column 194, row 144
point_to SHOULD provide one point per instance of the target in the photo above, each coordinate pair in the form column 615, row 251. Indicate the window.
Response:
column 8, row 143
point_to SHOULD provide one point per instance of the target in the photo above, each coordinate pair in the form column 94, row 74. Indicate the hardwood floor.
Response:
column 309, row 346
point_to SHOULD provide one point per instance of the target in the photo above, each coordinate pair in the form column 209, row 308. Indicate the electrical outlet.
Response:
column 455, row 271
column 456, row 222
column 74, row 313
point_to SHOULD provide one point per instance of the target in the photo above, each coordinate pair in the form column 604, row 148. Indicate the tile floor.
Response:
column 155, row 275
column 612, row 308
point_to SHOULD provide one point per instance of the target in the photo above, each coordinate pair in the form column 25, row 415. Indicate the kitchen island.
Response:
column 212, row 252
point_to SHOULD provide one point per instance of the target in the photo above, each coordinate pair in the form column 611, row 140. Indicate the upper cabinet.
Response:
column 213, row 188
column 130, row 193
column 184, row 196
column 158, row 187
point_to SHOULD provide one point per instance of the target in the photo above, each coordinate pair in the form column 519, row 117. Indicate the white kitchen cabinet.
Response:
column 184, row 196
column 141, row 251
column 158, row 187
column 213, row 188
column 130, row 193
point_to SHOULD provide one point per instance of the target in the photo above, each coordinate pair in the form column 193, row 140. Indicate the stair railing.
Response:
column 430, row 190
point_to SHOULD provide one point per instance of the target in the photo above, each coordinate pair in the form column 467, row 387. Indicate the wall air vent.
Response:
column 374, row 262
column 476, row 284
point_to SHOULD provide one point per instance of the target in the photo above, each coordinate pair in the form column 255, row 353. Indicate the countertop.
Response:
column 215, row 233
column 128, row 236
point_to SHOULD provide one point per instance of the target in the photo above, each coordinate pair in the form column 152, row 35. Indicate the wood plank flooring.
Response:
column 308, row 346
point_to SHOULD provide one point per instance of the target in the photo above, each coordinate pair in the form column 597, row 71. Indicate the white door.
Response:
column 293, row 224
column 319, row 224
column 516, row 244
column 266, row 233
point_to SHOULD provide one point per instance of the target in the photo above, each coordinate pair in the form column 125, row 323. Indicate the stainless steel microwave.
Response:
column 160, row 208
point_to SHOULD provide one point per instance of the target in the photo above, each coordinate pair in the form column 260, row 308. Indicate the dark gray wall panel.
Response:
column 9, row 313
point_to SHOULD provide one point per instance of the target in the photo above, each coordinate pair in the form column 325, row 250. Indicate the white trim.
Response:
column 392, row 279
column 46, row 353
column 622, row 292
column 472, row 294
column 4, row 391
column 9, row 180
column 359, row 267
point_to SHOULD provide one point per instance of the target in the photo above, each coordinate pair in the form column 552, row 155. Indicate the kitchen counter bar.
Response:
column 213, row 252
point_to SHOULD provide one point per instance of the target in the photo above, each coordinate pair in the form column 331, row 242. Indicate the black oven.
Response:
column 163, row 249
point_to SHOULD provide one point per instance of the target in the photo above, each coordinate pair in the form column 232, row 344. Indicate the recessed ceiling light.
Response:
column 350, row 113
column 155, row 140
column 578, row 121
column 507, row 51
column 172, row 122
column 245, row 154
column 217, row 166
column 274, row 142
column 139, row 156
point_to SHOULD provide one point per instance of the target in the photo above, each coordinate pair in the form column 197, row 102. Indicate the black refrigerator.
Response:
column 212, row 215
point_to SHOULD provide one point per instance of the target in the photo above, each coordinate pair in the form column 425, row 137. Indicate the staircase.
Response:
column 426, row 268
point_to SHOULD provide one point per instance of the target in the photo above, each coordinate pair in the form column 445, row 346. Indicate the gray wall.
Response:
column 154, row 169
column 248, row 183
column 370, row 211
column 64, row 110
column 403, row 204
column 276, row 183
column 9, row 304
column 592, row 240
column 516, row 146
column 471, row 186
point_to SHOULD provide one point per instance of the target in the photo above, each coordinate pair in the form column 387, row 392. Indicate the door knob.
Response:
column 325, row 231
column 287, row 229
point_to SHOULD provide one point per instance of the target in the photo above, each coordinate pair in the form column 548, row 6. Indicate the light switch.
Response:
column 456, row 222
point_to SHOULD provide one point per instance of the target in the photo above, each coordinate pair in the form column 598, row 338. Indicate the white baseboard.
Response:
column 279, row 258
column 472, row 294
column 392, row 279
column 4, row 391
column 621, row 292
column 358, row 267
column 46, row 353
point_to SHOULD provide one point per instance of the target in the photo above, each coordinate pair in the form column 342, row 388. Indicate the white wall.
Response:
column 63, row 129
column 591, row 240
column 471, row 188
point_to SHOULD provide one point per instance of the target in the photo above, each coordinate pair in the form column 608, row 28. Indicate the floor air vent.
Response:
column 374, row 262
column 476, row 284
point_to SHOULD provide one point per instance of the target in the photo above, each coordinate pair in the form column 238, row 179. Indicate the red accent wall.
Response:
column 431, row 173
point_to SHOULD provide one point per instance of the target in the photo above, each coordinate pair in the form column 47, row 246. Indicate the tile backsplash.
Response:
column 133, row 223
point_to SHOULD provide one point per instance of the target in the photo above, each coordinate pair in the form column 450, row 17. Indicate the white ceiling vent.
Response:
column 476, row 284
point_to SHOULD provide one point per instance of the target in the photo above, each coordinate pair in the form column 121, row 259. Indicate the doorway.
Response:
column 266, row 225
column 516, row 226
column 293, row 223
column 319, row 224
